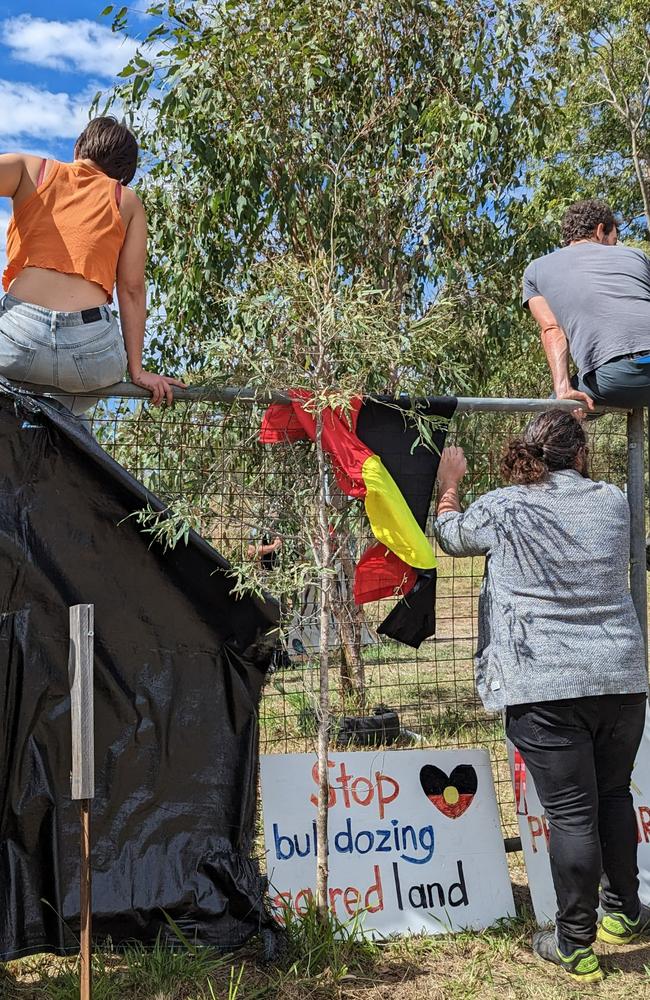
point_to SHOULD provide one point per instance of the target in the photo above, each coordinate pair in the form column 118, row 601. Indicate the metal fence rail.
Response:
column 203, row 458
column 232, row 394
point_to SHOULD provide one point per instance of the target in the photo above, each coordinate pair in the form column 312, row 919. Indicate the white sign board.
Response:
column 415, row 841
column 533, row 830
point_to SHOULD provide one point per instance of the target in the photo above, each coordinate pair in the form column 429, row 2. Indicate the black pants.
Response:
column 580, row 753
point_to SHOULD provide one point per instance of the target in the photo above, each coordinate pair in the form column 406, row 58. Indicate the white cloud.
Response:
column 81, row 46
column 32, row 111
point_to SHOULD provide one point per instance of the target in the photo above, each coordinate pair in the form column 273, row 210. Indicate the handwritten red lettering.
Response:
column 356, row 794
column 383, row 798
column 331, row 799
column 359, row 791
column 351, row 900
column 304, row 900
column 644, row 819
column 538, row 827
column 536, row 830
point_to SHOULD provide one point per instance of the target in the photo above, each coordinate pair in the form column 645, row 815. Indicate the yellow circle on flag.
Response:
column 450, row 795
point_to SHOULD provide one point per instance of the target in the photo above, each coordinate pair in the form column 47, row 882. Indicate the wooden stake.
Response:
column 86, row 905
column 83, row 768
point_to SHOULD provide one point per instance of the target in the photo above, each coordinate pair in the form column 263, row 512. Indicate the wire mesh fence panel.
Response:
column 256, row 504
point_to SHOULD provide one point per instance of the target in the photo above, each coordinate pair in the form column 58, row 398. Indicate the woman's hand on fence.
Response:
column 160, row 386
column 452, row 467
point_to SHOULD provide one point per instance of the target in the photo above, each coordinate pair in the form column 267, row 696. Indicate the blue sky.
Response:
column 54, row 57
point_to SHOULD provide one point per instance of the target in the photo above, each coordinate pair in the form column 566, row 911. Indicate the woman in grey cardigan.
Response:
column 560, row 648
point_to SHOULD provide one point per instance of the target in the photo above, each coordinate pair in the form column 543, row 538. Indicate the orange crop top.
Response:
column 71, row 223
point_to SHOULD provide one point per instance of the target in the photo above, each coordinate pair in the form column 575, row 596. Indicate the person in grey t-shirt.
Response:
column 592, row 299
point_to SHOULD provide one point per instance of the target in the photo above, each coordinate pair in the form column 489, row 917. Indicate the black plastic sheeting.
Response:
column 179, row 665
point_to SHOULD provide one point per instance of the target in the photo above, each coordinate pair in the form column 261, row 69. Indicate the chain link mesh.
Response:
column 255, row 503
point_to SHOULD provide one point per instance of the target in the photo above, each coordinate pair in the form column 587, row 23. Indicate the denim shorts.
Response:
column 621, row 382
column 58, row 349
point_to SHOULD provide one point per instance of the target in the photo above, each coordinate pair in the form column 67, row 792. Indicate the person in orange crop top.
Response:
column 77, row 231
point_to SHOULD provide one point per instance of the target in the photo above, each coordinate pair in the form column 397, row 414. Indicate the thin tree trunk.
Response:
column 638, row 169
column 355, row 621
column 358, row 622
column 341, row 616
column 350, row 616
column 325, row 561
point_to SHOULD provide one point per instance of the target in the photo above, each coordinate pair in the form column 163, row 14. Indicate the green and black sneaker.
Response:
column 616, row 928
column 582, row 965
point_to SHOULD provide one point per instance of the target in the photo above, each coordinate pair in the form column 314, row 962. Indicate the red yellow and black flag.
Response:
column 377, row 456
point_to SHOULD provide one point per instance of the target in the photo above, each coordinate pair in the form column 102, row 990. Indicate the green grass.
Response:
column 163, row 971
column 331, row 963
column 450, row 724
column 136, row 973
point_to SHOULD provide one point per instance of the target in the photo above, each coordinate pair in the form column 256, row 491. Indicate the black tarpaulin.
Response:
column 179, row 664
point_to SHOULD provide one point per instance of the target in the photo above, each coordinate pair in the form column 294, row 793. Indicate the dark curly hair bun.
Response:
column 551, row 442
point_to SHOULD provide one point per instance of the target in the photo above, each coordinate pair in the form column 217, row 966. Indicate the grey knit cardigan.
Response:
column 556, row 618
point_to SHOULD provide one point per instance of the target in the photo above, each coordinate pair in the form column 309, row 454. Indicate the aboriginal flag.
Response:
column 377, row 456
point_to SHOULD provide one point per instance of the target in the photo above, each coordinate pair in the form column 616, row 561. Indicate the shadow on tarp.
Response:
column 179, row 666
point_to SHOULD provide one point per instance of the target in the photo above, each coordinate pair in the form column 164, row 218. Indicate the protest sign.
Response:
column 534, row 832
column 415, row 840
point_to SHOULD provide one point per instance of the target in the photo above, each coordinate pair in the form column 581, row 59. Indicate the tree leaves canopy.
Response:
column 388, row 138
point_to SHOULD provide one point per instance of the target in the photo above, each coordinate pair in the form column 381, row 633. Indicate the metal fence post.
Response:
column 636, row 500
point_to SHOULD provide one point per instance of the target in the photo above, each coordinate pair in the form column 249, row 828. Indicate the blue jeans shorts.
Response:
column 59, row 349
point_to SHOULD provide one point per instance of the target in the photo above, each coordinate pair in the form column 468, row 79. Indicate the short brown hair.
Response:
column 583, row 217
column 550, row 442
column 111, row 146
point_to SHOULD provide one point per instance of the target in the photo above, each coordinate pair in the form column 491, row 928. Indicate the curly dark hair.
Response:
column 583, row 217
column 550, row 442
column 111, row 146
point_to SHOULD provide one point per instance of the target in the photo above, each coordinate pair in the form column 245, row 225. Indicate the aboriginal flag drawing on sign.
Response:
column 377, row 456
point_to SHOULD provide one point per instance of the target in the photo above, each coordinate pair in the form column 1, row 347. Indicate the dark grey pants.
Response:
column 624, row 383
column 580, row 753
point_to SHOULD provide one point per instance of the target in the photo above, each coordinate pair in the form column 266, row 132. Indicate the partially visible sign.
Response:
column 415, row 841
column 534, row 832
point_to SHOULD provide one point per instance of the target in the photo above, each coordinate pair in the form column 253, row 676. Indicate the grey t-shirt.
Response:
column 600, row 295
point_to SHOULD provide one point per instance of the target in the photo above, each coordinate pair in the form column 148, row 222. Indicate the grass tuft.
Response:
column 164, row 973
column 334, row 950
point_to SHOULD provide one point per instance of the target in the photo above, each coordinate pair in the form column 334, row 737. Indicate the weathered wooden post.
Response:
column 82, row 617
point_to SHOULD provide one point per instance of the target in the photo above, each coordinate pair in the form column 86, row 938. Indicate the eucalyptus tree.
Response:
column 601, row 145
column 392, row 133
column 331, row 190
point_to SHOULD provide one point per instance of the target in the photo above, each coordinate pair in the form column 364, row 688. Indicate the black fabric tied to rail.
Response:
column 179, row 665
